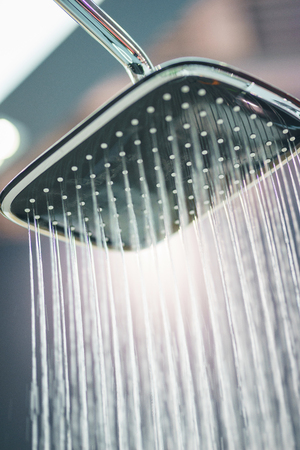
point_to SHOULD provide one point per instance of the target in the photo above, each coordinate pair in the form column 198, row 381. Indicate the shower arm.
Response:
column 109, row 34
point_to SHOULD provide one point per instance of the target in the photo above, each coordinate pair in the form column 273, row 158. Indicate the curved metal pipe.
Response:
column 109, row 34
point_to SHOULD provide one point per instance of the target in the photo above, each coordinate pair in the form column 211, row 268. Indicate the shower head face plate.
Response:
column 156, row 157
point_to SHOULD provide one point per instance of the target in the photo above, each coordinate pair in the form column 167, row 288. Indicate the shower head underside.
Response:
column 161, row 154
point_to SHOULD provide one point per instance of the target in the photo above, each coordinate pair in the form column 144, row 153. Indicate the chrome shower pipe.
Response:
column 108, row 33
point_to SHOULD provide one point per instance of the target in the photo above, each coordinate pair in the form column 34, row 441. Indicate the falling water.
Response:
column 190, row 343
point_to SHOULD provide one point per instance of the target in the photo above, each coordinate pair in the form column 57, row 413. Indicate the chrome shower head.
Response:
column 175, row 144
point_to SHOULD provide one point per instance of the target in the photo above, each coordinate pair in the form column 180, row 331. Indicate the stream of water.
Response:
column 192, row 343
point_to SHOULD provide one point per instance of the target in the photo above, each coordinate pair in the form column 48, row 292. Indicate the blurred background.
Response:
column 53, row 75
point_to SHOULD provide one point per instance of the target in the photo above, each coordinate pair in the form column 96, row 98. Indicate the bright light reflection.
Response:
column 29, row 32
column 9, row 139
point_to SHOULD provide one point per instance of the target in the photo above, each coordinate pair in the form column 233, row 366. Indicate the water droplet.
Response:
column 292, row 138
column 89, row 157
column 103, row 145
column 236, row 148
column 139, row 161
column 125, row 172
column 236, row 166
column 172, row 156
column 78, row 186
column 155, row 150
column 204, row 152
column 284, row 149
column 252, row 154
column 188, row 145
column 168, row 118
column 190, row 181
column 137, row 142
column 55, row 223
column 167, row 96
column 150, row 109
column 134, row 122
column 253, row 116
column 153, row 130
column 74, row 168
column 46, row 190
column 269, row 143
column 219, row 101
column 64, row 197
column 221, row 159
column 122, row 154
column 191, row 197
column 27, row 210
column 285, row 131
column 269, row 124
column 107, row 165
column 220, row 141
column 206, row 187
column 203, row 133
column 92, row 176
column 201, row 92
column 32, row 200
column 203, row 114
column 170, row 138
column 252, row 136
column 119, row 133
column 186, row 126
column 236, row 108
column 51, row 207
column 173, row 174
column 220, row 121
column 60, row 179
column 185, row 105
column 189, row 163
column 82, row 203
column 236, row 129
column 205, row 170
column 221, row 176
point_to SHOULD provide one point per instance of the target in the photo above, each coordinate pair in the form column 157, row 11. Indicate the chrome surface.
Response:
column 226, row 129
column 109, row 34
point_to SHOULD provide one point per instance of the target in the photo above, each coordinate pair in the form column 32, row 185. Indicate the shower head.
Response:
column 182, row 139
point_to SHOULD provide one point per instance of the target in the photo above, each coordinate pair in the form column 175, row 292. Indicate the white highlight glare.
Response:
column 19, row 28
column 9, row 139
